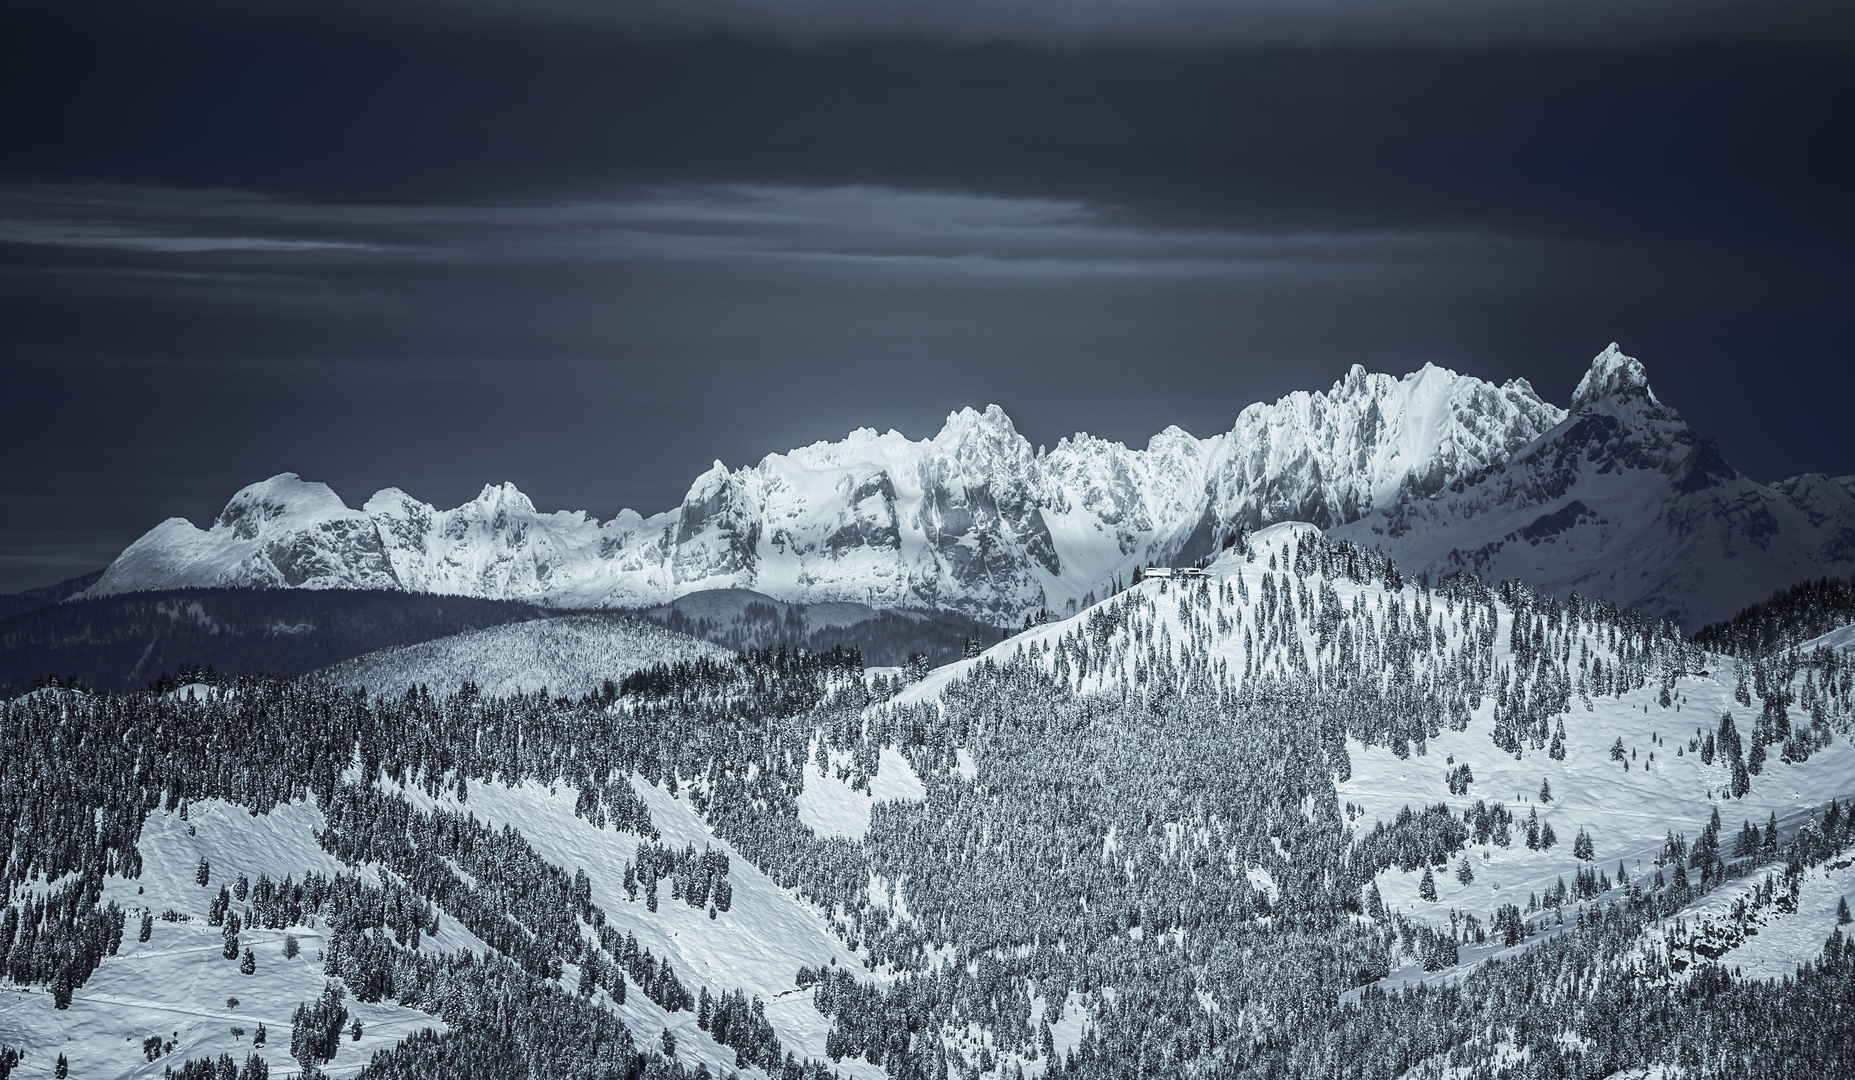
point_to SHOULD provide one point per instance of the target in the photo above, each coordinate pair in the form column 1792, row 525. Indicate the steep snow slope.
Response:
column 569, row 654
column 972, row 519
column 1841, row 640
column 1624, row 500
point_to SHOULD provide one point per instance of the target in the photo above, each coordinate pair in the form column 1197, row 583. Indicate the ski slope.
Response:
column 177, row 985
column 756, row 947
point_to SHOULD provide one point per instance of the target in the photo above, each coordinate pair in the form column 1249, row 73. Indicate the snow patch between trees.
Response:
column 831, row 806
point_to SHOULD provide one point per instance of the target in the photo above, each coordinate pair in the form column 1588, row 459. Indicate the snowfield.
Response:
column 830, row 806
column 571, row 654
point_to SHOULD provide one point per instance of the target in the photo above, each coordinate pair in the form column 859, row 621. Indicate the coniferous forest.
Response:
column 1790, row 617
column 1130, row 853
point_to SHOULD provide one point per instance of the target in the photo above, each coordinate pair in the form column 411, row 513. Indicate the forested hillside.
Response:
column 124, row 642
column 1299, row 817
column 128, row 641
column 1791, row 617
column 738, row 619
column 32, row 599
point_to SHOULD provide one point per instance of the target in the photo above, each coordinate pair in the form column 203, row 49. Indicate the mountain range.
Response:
column 1616, row 497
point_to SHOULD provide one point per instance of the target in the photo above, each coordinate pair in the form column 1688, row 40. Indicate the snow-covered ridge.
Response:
column 972, row 518
column 975, row 519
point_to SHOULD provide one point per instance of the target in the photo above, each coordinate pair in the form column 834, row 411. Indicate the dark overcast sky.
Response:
column 591, row 246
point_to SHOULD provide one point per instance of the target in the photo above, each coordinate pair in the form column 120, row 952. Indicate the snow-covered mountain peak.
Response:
column 980, row 450
column 1370, row 439
column 861, row 441
column 969, row 425
column 393, row 502
column 1174, row 440
column 504, row 496
column 714, row 479
column 284, row 494
column 973, row 518
column 1612, row 373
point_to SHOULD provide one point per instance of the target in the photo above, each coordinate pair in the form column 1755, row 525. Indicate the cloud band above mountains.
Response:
column 1192, row 24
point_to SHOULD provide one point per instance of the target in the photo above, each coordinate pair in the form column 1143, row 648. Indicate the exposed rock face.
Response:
column 1438, row 467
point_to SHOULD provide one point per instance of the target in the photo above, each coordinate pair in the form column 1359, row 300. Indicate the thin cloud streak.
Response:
column 104, row 236
column 862, row 226
column 1187, row 25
